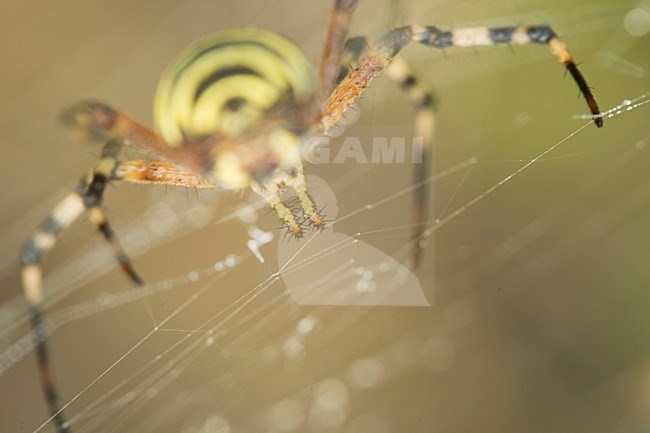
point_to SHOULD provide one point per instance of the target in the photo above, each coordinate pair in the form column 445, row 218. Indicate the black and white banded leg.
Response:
column 481, row 36
column 87, row 197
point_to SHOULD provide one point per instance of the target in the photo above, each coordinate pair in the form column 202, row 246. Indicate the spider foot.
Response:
column 316, row 219
column 294, row 229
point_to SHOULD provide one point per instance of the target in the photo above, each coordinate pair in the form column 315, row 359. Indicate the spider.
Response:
column 234, row 110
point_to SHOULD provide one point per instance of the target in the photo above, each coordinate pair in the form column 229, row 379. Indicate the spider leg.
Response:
column 380, row 56
column 92, row 198
column 296, row 181
column 271, row 193
column 158, row 172
column 151, row 172
column 38, row 245
column 100, row 122
column 422, row 101
column 337, row 32
column 88, row 196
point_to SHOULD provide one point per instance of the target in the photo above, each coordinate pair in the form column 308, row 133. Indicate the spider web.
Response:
column 534, row 269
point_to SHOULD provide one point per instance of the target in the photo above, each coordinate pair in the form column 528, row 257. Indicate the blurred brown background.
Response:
column 540, row 291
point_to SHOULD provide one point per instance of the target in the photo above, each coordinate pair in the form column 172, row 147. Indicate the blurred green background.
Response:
column 540, row 291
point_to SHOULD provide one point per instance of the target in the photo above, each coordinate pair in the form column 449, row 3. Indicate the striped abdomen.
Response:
column 226, row 82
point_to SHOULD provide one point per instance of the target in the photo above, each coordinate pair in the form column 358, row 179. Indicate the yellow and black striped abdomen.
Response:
column 225, row 82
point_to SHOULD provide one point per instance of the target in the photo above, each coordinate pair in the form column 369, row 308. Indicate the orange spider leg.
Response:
column 158, row 172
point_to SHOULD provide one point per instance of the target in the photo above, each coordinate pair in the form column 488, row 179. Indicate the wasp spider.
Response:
column 232, row 111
